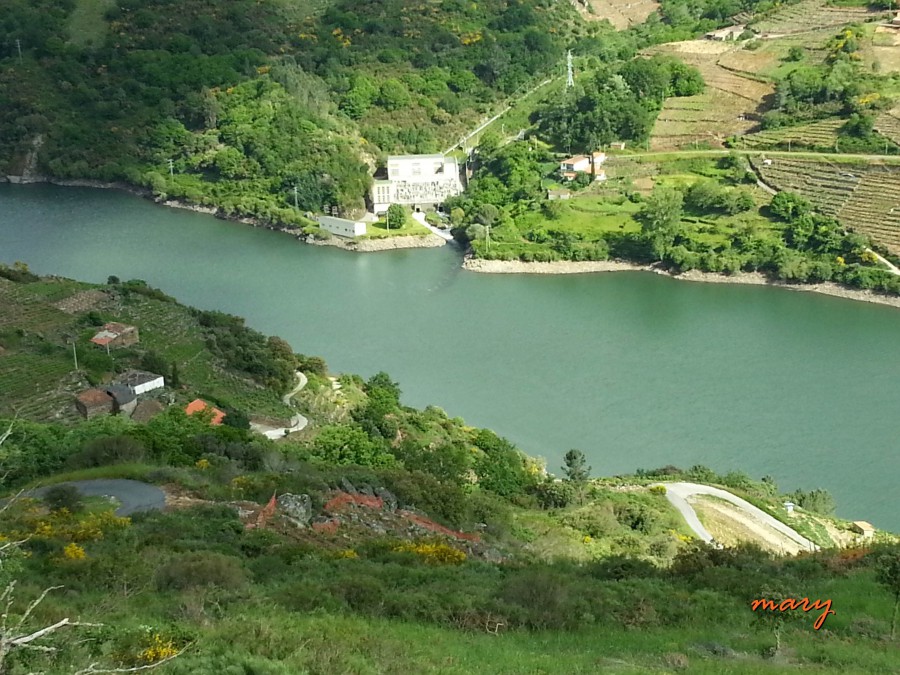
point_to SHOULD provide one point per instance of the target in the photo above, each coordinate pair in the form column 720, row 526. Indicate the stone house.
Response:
column 93, row 402
column 116, row 334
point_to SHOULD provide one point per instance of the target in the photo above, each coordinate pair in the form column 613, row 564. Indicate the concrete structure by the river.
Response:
column 342, row 227
column 418, row 181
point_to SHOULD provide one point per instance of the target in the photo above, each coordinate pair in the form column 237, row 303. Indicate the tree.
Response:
column 788, row 206
column 575, row 466
column 888, row 575
column 660, row 216
column 795, row 53
column 174, row 377
column 396, row 216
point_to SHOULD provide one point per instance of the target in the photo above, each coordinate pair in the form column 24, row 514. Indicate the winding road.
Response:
column 298, row 421
column 132, row 495
column 678, row 494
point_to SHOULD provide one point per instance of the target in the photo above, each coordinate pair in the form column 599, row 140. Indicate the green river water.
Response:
column 635, row 369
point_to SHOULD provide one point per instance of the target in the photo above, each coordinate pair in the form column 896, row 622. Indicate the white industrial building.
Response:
column 341, row 226
column 418, row 181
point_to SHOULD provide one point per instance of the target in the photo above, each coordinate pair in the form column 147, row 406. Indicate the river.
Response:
column 636, row 369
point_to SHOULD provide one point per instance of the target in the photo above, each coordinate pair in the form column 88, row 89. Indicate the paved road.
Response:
column 678, row 493
column 133, row 495
column 298, row 421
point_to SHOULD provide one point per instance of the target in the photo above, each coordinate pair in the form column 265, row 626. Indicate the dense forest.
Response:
column 252, row 100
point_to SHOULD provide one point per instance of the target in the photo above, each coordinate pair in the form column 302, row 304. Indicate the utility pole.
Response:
column 19, row 47
column 171, row 168
column 296, row 204
column 487, row 237
column 74, row 354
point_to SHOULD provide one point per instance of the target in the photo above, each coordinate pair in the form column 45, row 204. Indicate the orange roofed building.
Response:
column 198, row 405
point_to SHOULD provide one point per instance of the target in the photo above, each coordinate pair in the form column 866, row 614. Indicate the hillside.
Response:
column 401, row 540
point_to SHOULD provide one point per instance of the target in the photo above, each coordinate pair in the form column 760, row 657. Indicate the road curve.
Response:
column 678, row 493
column 133, row 496
column 298, row 421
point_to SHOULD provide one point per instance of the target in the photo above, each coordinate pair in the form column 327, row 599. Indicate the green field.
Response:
column 87, row 23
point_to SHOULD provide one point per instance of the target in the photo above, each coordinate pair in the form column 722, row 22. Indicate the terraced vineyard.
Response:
column 822, row 134
column 864, row 197
column 39, row 386
column 810, row 15
column 20, row 307
column 727, row 107
column 888, row 125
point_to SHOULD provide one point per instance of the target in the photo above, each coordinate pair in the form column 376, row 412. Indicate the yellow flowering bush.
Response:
column 434, row 553
column 158, row 649
column 202, row 464
column 73, row 551
column 346, row 554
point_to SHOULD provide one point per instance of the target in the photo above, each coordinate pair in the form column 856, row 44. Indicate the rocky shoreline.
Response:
column 747, row 278
column 382, row 244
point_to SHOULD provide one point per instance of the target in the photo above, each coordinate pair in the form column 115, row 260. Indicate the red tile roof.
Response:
column 197, row 405
column 94, row 397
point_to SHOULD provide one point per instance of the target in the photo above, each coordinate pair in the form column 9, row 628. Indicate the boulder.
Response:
column 387, row 498
column 296, row 508
column 348, row 487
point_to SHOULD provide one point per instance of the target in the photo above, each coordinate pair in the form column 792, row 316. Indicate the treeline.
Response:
column 617, row 104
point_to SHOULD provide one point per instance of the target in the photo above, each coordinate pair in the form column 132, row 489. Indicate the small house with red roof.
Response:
column 199, row 405
column 116, row 334
column 571, row 167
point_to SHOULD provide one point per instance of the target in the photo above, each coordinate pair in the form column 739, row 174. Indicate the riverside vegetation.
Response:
column 503, row 569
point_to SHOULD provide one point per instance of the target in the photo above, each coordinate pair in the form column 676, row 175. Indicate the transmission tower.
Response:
column 570, row 71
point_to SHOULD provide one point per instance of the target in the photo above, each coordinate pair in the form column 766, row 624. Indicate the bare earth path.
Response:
column 754, row 518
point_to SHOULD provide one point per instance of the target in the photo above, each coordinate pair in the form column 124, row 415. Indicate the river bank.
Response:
column 357, row 245
column 746, row 278
column 380, row 244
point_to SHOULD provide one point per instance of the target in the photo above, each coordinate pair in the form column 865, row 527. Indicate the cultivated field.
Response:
column 822, row 134
column 812, row 15
column 888, row 124
column 864, row 197
column 620, row 13
column 728, row 107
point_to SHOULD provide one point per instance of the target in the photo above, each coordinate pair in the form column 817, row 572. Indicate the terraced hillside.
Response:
column 729, row 105
column 888, row 124
column 864, row 197
column 822, row 134
column 38, row 378
column 810, row 15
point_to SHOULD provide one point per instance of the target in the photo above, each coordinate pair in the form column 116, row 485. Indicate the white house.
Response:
column 418, row 181
column 140, row 381
column 341, row 226
column 571, row 167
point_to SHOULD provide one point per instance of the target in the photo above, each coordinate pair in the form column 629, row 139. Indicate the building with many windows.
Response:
column 418, row 181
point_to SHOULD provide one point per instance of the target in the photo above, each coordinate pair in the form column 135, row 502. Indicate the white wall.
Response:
column 341, row 226
column 158, row 383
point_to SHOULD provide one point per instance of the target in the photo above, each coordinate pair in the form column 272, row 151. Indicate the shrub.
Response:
column 108, row 450
column 658, row 489
column 203, row 568
column 63, row 497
